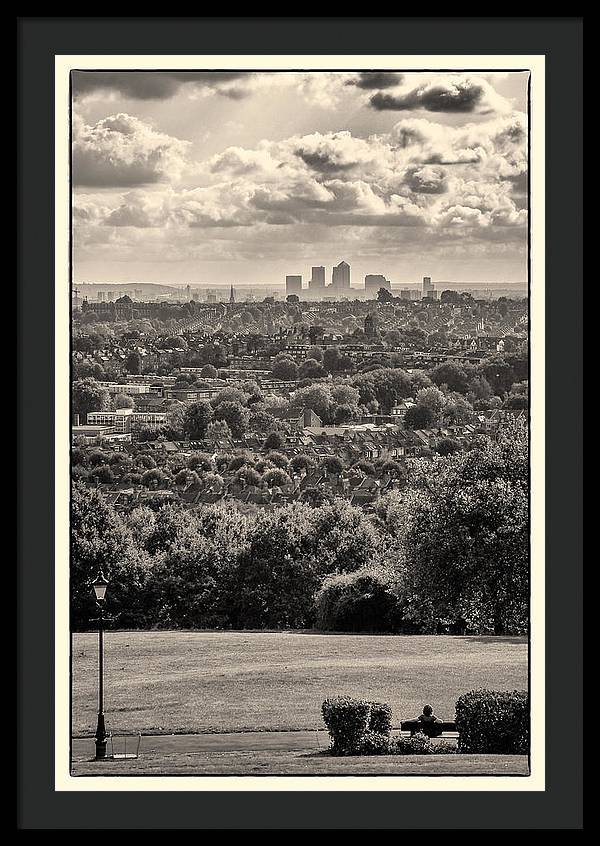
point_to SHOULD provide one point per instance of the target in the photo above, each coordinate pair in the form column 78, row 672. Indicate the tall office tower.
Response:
column 317, row 278
column 293, row 285
column 188, row 293
column 375, row 281
column 427, row 287
column 138, row 294
column 340, row 278
column 232, row 295
column 101, row 296
column 405, row 294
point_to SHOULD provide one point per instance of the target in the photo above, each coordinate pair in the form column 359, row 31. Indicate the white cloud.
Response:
column 123, row 151
column 422, row 186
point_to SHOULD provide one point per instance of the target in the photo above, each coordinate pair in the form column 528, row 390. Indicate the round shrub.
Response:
column 362, row 601
column 418, row 744
column 347, row 721
column 374, row 743
column 493, row 722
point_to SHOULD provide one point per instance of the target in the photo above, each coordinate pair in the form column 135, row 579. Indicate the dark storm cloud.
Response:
column 375, row 80
column 154, row 85
column 322, row 162
column 458, row 98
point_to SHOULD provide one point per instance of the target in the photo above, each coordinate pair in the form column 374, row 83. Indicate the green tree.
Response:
column 277, row 576
column 196, row 419
column 101, row 541
column 133, row 363
column 122, row 401
column 331, row 464
column 316, row 397
column 285, row 368
column 88, row 395
column 451, row 374
column 302, row 462
column 311, row 369
column 208, row 372
column 235, row 415
column 275, row 477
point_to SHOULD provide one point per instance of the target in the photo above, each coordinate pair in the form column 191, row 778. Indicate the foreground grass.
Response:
column 304, row 763
column 245, row 681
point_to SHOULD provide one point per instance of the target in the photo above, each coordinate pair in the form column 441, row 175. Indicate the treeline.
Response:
column 447, row 553
column 449, row 394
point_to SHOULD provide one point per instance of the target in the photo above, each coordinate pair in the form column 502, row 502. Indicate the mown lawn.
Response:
column 242, row 681
column 303, row 763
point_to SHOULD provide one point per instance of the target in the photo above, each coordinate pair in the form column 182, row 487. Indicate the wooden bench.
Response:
column 428, row 729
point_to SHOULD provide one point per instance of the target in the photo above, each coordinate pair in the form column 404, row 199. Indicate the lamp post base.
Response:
column 100, row 739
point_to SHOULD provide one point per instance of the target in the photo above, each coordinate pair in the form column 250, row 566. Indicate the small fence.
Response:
column 124, row 746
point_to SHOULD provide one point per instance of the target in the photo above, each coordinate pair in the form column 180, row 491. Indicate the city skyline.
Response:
column 213, row 178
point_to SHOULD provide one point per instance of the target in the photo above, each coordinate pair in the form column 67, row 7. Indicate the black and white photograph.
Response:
column 300, row 471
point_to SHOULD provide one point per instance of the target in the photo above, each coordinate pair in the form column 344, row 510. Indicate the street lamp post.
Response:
column 100, row 584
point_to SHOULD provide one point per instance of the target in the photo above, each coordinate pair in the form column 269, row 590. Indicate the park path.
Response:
column 251, row 741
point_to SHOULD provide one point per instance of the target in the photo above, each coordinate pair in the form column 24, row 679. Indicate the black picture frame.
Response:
column 559, row 806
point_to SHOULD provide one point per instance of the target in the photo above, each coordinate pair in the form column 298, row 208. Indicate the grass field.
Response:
column 303, row 763
column 243, row 681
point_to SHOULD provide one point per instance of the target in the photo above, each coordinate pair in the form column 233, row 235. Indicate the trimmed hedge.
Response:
column 495, row 722
column 380, row 718
column 351, row 721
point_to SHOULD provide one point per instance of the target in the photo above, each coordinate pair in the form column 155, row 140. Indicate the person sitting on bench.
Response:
column 428, row 716
column 430, row 725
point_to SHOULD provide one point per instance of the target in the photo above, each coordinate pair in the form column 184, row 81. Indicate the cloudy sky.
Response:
column 239, row 178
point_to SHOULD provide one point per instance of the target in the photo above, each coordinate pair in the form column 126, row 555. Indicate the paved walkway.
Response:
column 250, row 741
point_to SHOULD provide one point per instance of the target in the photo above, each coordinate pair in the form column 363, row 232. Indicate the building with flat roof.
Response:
column 427, row 287
column 317, row 278
column 119, row 420
column 89, row 435
column 375, row 281
column 293, row 285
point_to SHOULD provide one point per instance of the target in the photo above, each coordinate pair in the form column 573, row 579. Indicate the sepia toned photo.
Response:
column 300, row 395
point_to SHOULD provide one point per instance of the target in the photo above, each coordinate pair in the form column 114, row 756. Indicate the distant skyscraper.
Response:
column 101, row 296
column 232, row 295
column 340, row 278
column 317, row 277
column 375, row 281
column 427, row 287
column 293, row 285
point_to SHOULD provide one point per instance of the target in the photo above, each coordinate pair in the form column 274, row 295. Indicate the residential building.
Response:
column 119, row 420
